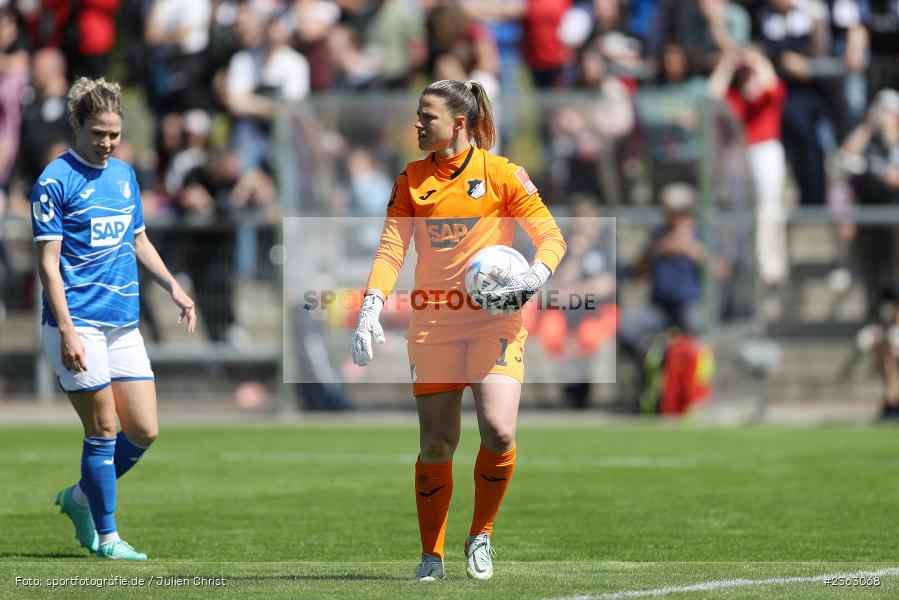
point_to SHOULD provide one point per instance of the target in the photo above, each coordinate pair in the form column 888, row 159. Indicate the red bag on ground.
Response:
column 687, row 375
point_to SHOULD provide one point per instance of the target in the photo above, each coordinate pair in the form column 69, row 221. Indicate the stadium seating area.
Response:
column 603, row 100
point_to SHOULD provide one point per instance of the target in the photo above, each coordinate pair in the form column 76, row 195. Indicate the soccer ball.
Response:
column 479, row 274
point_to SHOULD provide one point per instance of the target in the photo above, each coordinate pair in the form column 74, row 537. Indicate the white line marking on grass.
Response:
column 709, row 586
column 318, row 459
column 627, row 462
column 332, row 458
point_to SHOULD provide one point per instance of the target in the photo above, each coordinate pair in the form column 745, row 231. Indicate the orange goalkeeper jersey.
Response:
column 454, row 207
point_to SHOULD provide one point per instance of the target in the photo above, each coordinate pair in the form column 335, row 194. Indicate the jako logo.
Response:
column 447, row 233
column 108, row 231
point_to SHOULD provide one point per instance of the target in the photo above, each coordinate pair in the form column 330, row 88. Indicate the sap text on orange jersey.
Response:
column 447, row 233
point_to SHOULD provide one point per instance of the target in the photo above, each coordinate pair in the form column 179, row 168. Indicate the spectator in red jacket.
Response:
column 96, row 36
column 544, row 52
column 746, row 80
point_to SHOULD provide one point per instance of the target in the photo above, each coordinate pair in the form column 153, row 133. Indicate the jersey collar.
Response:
column 84, row 162
column 452, row 167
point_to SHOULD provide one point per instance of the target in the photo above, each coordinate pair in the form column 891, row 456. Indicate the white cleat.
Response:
column 480, row 555
column 430, row 568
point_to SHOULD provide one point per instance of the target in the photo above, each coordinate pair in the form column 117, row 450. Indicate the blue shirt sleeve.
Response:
column 138, row 206
column 864, row 9
column 46, row 209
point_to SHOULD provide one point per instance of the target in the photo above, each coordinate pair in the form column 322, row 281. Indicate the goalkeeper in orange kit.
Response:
column 454, row 202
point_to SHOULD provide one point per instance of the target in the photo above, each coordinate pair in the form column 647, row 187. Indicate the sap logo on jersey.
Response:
column 447, row 233
column 108, row 231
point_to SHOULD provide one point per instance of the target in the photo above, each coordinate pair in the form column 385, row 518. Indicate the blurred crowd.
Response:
column 624, row 86
column 235, row 58
column 807, row 79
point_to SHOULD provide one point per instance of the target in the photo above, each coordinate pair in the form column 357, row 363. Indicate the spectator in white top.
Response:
column 266, row 72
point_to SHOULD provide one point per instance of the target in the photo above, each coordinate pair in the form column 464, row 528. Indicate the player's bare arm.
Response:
column 71, row 348
column 150, row 259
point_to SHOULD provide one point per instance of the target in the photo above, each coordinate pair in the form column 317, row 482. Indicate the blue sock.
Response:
column 127, row 453
column 98, row 480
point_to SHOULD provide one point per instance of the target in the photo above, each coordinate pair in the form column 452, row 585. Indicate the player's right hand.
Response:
column 72, row 351
column 369, row 326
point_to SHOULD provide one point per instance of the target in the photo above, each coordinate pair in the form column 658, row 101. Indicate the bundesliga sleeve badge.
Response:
column 522, row 176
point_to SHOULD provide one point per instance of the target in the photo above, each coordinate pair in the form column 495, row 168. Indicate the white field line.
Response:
column 710, row 586
column 636, row 462
column 329, row 458
column 349, row 458
column 553, row 462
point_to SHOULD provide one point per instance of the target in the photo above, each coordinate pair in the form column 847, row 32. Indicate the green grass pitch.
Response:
column 593, row 511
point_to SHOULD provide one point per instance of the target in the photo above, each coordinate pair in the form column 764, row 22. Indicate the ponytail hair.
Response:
column 468, row 98
column 90, row 97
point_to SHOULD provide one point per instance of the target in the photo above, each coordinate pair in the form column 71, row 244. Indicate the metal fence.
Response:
column 339, row 156
column 239, row 319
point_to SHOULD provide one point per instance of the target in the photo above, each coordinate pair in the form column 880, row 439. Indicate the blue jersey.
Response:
column 96, row 212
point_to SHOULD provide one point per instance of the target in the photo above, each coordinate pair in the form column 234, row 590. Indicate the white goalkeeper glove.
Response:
column 515, row 290
column 368, row 326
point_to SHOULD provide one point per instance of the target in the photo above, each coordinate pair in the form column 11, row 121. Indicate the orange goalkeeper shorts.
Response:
column 445, row 359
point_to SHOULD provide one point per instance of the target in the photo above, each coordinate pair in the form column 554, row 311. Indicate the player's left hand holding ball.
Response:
column 515, row 290
column 186, row 305
column 369, row 326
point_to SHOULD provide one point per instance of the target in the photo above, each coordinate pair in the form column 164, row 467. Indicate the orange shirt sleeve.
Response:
column 525, row 204
column 395, row 237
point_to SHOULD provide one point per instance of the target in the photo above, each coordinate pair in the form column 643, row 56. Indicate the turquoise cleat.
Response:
column 119, row 550
column 85, row 532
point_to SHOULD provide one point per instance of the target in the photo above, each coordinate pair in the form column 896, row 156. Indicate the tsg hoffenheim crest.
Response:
column 476, row 188
column 125, row 186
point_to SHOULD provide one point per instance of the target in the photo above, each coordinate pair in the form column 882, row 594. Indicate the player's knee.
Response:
column 145, row 436
column 102, row 426
column 438, row 449
column 103, row 430
column 499, row 438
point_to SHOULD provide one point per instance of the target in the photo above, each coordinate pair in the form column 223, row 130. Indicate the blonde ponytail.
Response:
column 483, row 131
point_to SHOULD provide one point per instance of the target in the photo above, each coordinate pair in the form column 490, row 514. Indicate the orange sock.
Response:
column 492, row 473
column 433, row 490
